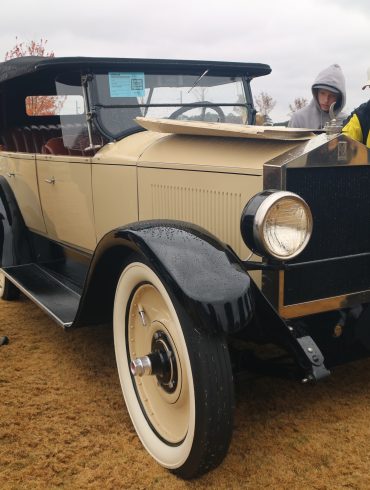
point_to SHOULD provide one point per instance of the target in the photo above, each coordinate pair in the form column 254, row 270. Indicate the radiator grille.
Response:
column 339, row 198
column 217, row 211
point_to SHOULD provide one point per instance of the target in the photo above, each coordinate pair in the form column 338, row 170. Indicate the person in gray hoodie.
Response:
column 328, row 87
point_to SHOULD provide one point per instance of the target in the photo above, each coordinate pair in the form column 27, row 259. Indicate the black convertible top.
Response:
column 27, row 65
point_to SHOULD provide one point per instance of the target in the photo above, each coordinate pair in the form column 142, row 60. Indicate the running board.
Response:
column 49, row 292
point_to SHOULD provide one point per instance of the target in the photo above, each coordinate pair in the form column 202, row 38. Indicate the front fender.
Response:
column 203, row 276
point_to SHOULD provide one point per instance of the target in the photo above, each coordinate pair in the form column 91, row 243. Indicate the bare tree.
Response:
column 299, row 103
column 265, row 103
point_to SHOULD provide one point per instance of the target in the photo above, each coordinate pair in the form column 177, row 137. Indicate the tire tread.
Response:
column 214, row 406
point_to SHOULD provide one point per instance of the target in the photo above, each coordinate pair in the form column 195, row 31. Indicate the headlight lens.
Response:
column 280, row 224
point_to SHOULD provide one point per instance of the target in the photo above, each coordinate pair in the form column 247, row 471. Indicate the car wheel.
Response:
column 8, row 291
column 176, row 380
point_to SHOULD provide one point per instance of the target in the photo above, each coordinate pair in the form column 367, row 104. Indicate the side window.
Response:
column 57, row 123
column 50, row 120
column 54, row 105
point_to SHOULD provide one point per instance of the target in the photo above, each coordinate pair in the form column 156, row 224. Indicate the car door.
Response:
column 19, row 169
column 66, row 199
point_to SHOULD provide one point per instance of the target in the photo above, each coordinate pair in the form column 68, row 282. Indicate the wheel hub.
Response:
column 161, row 362
column 167, row 375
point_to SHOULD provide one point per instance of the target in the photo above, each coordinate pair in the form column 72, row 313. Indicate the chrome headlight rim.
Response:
column 253, row 220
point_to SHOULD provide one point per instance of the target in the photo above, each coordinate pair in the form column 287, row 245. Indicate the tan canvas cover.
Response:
column 224, row 129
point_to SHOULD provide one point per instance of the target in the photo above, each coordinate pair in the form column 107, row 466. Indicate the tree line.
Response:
column 265, row 104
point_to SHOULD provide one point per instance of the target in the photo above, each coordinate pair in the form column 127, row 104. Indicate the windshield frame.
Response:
column 95, row 106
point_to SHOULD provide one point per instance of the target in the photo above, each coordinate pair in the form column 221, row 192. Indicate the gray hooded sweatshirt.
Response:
column 312, row 116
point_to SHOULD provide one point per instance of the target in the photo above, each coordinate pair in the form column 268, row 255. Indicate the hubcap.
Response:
column 167, row 369
column 161, row 362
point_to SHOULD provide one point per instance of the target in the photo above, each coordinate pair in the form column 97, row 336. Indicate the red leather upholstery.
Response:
column 48, row 139
column 55, row 146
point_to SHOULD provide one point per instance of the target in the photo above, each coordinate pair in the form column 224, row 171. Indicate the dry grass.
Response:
column 63, row 422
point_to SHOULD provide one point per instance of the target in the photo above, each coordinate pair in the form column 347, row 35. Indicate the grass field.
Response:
column 63, row 421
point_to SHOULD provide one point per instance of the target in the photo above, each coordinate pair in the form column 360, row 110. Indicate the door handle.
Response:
column 50, row 181
column 10, row 174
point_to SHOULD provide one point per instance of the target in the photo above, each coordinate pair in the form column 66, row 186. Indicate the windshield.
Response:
column 118, row 97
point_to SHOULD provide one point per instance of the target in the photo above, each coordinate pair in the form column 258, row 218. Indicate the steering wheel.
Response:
column 216, row 108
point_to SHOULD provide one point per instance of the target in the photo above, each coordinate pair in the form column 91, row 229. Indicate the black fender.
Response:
column 15, row 244
column 202, row 274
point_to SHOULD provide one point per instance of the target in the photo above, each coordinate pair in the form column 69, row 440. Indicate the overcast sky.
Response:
column 297, row 38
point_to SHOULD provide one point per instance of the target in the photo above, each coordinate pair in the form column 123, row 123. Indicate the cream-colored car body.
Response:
column 20, row 170
column 199, row 173
column 198, row 177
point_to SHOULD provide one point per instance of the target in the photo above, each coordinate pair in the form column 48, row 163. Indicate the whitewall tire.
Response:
column 183, row 412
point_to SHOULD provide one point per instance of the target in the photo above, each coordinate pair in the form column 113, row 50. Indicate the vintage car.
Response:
column 140, row 194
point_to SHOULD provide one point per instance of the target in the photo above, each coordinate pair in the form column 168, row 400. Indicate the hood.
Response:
column 331, row 77
column 196, row 150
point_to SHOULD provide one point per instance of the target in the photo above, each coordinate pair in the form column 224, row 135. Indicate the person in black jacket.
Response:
column 357, row 125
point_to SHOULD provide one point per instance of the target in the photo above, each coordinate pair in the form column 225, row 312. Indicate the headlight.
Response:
column 277, row 224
